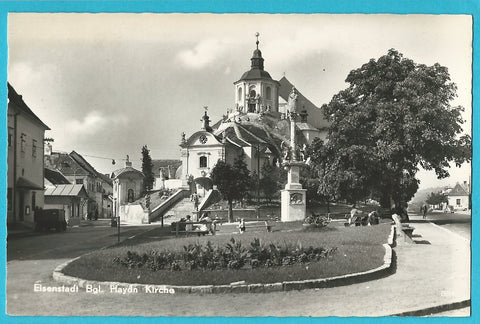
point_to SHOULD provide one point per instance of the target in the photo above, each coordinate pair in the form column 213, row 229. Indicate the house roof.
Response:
column 67, row 190
column 159, row 164
column 55, row 177
column 458, row 190
column 65, row 163
column 17, row 100
column 105, row 178
column 80, row 160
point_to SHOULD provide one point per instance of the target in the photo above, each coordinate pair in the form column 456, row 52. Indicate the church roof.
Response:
column 256, row 71
column 306, row 127
column 315, row 114
column 255, row 74
column 119, row 172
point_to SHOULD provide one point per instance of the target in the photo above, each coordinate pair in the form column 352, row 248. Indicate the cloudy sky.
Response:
column 107, row 84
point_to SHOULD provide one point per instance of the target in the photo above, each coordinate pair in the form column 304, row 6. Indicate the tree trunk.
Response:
column 230, row 211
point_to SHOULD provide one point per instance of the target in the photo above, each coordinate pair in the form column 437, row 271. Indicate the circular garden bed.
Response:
column 251, row 257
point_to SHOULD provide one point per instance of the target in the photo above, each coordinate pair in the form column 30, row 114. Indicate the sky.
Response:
column 107, row 84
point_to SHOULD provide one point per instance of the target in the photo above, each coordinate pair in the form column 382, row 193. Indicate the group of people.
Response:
column 205, row 225
column 358, row 217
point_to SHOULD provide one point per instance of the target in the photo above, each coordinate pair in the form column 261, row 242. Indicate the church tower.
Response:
column 256, row 91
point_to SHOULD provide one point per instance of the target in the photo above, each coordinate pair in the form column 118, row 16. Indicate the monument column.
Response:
column 294, row 202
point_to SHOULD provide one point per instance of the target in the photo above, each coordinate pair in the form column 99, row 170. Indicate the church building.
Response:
column 256, row 127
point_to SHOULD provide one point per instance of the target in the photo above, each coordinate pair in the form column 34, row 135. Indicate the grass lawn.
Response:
column 358, row 249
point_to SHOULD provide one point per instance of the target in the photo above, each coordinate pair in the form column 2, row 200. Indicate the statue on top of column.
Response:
column 292, row 100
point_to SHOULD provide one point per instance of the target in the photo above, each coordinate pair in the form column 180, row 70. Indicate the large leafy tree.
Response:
column 436, row 198
column 394, row 117
column 233, row 181
column 147, row 169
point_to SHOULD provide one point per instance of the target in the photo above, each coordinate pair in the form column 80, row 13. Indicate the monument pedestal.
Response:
column 294, row 207
column 294, row 197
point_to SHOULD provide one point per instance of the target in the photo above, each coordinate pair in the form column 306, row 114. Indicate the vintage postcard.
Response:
column 238, row 164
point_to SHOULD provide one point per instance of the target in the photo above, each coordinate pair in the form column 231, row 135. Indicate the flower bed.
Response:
column 357, row 249
column 233, row 255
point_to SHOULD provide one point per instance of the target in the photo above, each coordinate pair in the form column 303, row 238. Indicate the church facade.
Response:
column 256, row 128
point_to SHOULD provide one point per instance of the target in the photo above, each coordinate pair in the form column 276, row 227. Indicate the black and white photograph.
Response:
column 239, row 164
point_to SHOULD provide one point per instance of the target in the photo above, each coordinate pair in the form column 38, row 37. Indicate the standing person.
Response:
column 195, row 201
column 424, row 211
column 188, row 226
column 241, row 226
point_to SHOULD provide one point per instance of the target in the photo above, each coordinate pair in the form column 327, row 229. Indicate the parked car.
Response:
column 46, row 219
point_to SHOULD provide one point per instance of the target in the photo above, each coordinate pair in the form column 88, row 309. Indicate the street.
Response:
column 460, row 223
column 32, row 259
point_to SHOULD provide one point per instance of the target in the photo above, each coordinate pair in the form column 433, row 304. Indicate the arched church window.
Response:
column 253, row 93
column 239, row 93
column 130, row 195
column 203, row 161
column 268, row 94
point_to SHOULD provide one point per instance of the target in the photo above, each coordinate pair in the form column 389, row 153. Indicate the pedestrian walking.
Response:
column 424, row 211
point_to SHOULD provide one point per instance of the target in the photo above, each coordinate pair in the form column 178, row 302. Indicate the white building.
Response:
column 256, row 127
column 25, row 179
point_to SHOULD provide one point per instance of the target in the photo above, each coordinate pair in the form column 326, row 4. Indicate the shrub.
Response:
column 232, row 256
column 317, row 220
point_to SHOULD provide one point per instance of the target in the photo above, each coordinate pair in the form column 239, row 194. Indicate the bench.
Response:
column 406, row 228
column 181, row 227
column 266, row 225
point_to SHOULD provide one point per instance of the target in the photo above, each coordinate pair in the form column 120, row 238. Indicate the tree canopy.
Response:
column 147, row 169
column 436, row 198
column 394, row 117
column 233, row 181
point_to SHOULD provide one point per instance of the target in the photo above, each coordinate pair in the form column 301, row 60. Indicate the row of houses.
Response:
column 39, row 178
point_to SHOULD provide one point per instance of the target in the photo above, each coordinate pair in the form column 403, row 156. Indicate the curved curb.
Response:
column 123, row 287
column 436, row 309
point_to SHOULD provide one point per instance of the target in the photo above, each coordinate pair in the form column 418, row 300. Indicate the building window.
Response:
column 130, row 195
column 203, row 161
column 34, row 200
column 22, row 142
column 458, row 202
column 34, row 148
column 10, row 137
column 268, row 94
column 239, row 93
column 78, row 181
column 253, row 94
column 9, row 199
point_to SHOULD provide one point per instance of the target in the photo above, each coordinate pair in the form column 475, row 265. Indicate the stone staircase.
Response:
column 181, row 209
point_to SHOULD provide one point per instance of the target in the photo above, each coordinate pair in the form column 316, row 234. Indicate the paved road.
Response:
column 72, row 243
column 460, row 223
column 434, row 280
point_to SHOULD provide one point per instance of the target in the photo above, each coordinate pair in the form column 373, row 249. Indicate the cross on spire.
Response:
column 256, row 35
